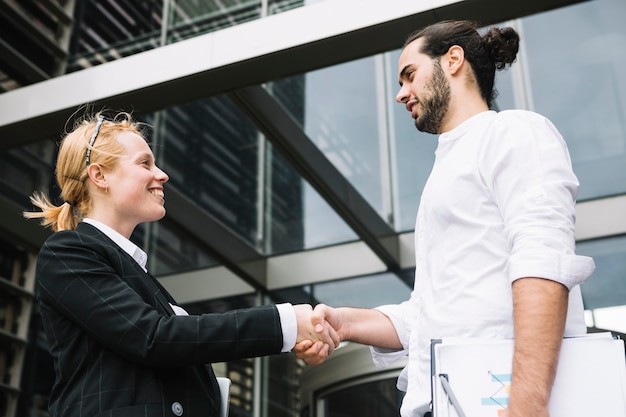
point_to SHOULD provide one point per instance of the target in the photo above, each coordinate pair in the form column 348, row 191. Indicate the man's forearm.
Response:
column 369, row 327
column 540, row 311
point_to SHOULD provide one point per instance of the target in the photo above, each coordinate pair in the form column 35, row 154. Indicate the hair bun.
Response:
column 503, row 45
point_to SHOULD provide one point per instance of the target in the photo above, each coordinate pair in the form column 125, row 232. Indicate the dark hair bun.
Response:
column 502, row 44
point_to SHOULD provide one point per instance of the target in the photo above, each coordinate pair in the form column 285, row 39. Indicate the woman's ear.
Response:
column 96, row 176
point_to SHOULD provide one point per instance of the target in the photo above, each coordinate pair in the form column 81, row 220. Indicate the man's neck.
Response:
column 468, row 106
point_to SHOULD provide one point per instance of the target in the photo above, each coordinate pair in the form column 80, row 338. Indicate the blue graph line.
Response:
column 493, row 400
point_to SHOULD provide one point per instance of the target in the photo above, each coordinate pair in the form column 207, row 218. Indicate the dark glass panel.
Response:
column 27, row 169
column 210, row 152
column 106, row 31
column 189, row 18
column 297, row 217
column 607, row 285
column 338, row 108
column 372, row 399
column 279, row 6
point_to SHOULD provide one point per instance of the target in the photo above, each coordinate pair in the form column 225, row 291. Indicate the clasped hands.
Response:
column 319, row 333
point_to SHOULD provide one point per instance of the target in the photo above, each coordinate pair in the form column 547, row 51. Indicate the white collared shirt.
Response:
column 285, row 310
column 499, row 205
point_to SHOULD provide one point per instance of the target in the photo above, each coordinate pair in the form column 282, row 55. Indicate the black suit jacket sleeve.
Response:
column 95, row 290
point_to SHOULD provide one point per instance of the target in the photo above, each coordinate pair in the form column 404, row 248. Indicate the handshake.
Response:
column 319, row 332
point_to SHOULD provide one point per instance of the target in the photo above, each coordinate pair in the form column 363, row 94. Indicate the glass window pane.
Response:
column 278, row 6
column 188, row 18
column 364, row 291
column 38, row 374
column 297, row 217
column 367, row 292
column 105, row 32
column 171, row 249
column 281, row 386
column 607, row 286
column 339, row 110
column 210, row 151
column 372, row 399
column 575, row 56
column 505, row 96
column 27, row 169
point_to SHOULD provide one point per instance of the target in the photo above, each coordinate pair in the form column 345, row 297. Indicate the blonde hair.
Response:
column 71, row 169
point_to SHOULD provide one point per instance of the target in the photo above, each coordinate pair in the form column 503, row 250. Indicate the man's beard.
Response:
column 435, row 107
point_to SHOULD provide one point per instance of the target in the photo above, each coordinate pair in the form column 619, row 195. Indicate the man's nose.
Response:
column 403, row 94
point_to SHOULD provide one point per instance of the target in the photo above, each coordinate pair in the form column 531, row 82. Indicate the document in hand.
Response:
column 471, row 377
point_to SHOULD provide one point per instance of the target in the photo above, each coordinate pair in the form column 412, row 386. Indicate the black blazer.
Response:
column 119, row 349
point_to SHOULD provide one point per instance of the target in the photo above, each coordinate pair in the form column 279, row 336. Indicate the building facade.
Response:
column 294, row 176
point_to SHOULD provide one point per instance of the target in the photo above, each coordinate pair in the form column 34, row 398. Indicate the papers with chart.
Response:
column 590, row 380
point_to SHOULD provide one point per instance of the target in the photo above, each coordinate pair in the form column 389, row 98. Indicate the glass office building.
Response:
column 294, row 174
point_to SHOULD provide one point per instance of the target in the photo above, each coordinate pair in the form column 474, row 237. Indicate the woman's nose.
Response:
column 161, row 175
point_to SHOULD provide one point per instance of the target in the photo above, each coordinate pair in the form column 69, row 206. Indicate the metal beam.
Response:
column 293, row 143
column 246, row 54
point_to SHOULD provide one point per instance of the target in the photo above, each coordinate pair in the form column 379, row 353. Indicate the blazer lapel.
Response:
column 145, row 279
column 162, row 295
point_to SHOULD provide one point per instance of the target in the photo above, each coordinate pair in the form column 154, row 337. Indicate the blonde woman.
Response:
column 121, row 345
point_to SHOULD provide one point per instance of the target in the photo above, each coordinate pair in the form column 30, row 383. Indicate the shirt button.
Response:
column 177, row 408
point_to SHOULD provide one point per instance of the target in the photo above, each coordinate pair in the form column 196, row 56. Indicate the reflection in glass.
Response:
column 281, row 390
column 189, row 18
column 340, row 114
column 607, row 285
column 575, row 56
column 365, row 292
column 27, row 169
column 209, row 150
column 373, row 399
column 106, row 31
column 38, row 374
column 170, row 248
column 505, row 96
column 297, row 218
column 279, row 6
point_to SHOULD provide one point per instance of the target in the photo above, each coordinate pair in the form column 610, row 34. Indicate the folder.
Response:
column 471, row 377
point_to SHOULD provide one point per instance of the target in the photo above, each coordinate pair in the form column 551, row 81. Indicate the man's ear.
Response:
column 454, row 59
column 96, row 176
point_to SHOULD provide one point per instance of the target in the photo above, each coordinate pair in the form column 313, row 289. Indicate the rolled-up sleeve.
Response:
column 535, row 188
column 569, row 270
